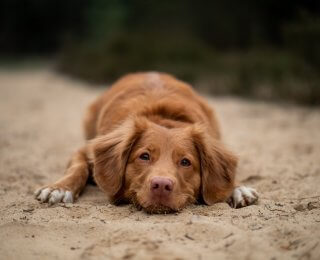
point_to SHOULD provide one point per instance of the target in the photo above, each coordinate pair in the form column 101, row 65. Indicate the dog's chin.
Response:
column 155, row 206
column 158, row 209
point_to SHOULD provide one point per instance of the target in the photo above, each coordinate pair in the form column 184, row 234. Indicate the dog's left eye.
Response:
column 185, row 162
column 145, row 157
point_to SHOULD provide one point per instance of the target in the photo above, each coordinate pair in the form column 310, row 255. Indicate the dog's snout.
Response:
column 161, row 185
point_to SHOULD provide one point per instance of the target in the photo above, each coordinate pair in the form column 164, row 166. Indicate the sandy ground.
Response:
column 40, row 126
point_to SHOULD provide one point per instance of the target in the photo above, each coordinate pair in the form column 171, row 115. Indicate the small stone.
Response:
column 300, row 207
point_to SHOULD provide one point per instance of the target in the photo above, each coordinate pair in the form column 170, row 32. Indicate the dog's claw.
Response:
column 242, row 197
column 54, row 195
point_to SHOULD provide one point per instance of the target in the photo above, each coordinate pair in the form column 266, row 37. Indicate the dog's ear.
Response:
column 218, row 167
column 110, row 154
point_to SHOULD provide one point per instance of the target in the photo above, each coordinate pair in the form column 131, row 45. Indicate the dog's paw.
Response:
column 242, row 197
column 54, row 195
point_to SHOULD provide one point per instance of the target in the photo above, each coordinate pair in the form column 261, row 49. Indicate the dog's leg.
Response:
column 243, row 196
column 68, row 188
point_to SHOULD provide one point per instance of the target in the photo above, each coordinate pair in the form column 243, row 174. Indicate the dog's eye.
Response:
column 185, row 162
column 145, row 157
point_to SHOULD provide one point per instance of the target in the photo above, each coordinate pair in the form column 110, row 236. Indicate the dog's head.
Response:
column 162, row 169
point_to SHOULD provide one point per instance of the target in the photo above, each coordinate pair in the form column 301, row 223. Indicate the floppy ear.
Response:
column 111, row 153
column 217, row 167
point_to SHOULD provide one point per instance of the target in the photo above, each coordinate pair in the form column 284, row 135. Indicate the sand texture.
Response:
column 40, row 126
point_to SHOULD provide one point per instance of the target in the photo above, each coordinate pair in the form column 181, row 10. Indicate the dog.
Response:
column 154, row 142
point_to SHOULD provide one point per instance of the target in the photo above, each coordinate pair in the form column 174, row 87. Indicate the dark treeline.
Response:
column 267, row 49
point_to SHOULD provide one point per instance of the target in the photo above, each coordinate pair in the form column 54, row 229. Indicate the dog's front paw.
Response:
column 54, row 195
column 242, row 197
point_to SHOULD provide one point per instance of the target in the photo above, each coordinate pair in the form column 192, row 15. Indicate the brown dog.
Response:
column 153, row 142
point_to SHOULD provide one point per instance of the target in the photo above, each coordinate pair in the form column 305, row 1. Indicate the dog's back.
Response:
column 158, row 96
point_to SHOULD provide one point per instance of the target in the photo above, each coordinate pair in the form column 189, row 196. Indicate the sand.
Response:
column 40, row 126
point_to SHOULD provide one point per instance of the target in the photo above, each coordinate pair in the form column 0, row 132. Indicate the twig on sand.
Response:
column 189, row 237
column 231, row 234
column 273, row 209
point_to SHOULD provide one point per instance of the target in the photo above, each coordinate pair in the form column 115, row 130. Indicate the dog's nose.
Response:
column 161, row 186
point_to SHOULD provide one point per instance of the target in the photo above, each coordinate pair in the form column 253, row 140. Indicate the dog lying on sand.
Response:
column 152, row 141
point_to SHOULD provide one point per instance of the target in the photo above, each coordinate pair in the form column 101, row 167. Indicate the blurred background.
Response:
column 268, row 50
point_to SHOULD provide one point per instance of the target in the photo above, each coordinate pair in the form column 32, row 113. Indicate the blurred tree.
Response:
column 253, row 48
column 38, row 26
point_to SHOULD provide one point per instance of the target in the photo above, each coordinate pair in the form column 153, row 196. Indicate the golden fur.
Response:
column 157, row 114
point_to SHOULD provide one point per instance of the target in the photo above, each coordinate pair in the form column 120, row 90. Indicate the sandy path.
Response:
column 279, row 147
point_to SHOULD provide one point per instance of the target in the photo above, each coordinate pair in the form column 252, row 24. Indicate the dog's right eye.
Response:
column 145, row 157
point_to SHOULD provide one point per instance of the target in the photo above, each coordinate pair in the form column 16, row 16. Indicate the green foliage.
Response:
column 303, row 37
column 240, row 50
column 265, row 49
column 264, row 74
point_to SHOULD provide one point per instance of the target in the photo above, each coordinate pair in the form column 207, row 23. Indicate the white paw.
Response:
column 53, row 195
column 242, row 197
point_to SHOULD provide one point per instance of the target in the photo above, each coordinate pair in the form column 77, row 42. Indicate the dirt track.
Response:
column 279, row 149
